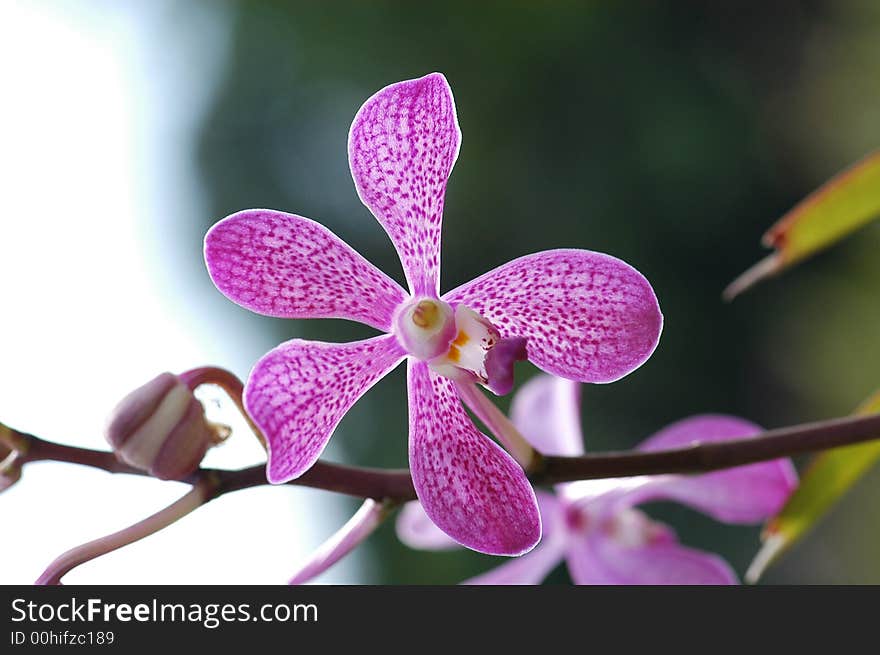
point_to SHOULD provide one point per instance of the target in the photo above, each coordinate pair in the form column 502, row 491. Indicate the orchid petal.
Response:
column 546, row 410
column 599, row 560
column 534, row 566
column 287, row 266
column 402, row 146
column 744, row 495
column 298, row 393
column 587, row 316
column 416, row 530
column 468, row 485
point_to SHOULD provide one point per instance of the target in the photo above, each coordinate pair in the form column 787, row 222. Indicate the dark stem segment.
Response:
column 230, row 383
column 40, row 450
column 397, row 485
column 393, row 484
column 705, row 457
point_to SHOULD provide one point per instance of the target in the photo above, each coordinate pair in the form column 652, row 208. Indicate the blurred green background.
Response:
column 668, row 134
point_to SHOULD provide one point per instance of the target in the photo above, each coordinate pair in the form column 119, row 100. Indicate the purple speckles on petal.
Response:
column 587, row 316
column 288, row 266
column 534, row 566
column 298, row 393
column 401, row 148
column 469, row 487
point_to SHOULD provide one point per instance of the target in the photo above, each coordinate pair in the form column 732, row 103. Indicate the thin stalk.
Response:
column 62, row 565
column 499, row 425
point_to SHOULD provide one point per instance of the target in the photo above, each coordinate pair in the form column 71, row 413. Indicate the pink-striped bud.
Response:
column 161, row 428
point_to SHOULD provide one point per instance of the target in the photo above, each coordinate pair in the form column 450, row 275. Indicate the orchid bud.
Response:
column 161, row 428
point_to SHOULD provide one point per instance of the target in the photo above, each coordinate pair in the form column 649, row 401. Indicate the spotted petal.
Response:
column 745, row 494
column 469, row 487
column 599, row 560
column 402, row 146
column 586, row 316
column 288, row 266
column 534, row 566
column 298, row 393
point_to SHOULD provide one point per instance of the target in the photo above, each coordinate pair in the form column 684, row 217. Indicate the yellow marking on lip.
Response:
column 461, row 339
column 454, row 355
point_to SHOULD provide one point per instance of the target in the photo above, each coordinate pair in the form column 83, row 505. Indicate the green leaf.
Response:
column 837, row 208
column 828, row 477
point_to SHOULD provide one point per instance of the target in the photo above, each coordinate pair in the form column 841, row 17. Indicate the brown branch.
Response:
column 40, row 450
column 396, row 484
column 392, row 484
column 712, row 456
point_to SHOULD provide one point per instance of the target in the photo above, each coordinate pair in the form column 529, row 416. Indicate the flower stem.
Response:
column 194, row 498
column 230, row 383
column 712, row 456
column 397, row 485
column 14, row 440
column 40, row 450
column 347, row 538
column 501, row 426
column 358, row 481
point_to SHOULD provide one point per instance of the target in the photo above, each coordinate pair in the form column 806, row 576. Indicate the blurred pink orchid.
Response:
column 574, row 313
column 593, row 524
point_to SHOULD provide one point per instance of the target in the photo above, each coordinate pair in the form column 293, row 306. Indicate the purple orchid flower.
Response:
column 578, row 314
column 593, row 524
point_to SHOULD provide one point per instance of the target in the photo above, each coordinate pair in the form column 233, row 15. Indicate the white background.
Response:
column 99, row 102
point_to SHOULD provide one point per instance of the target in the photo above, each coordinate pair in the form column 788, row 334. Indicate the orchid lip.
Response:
column 465, row 358
column 454, row 341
